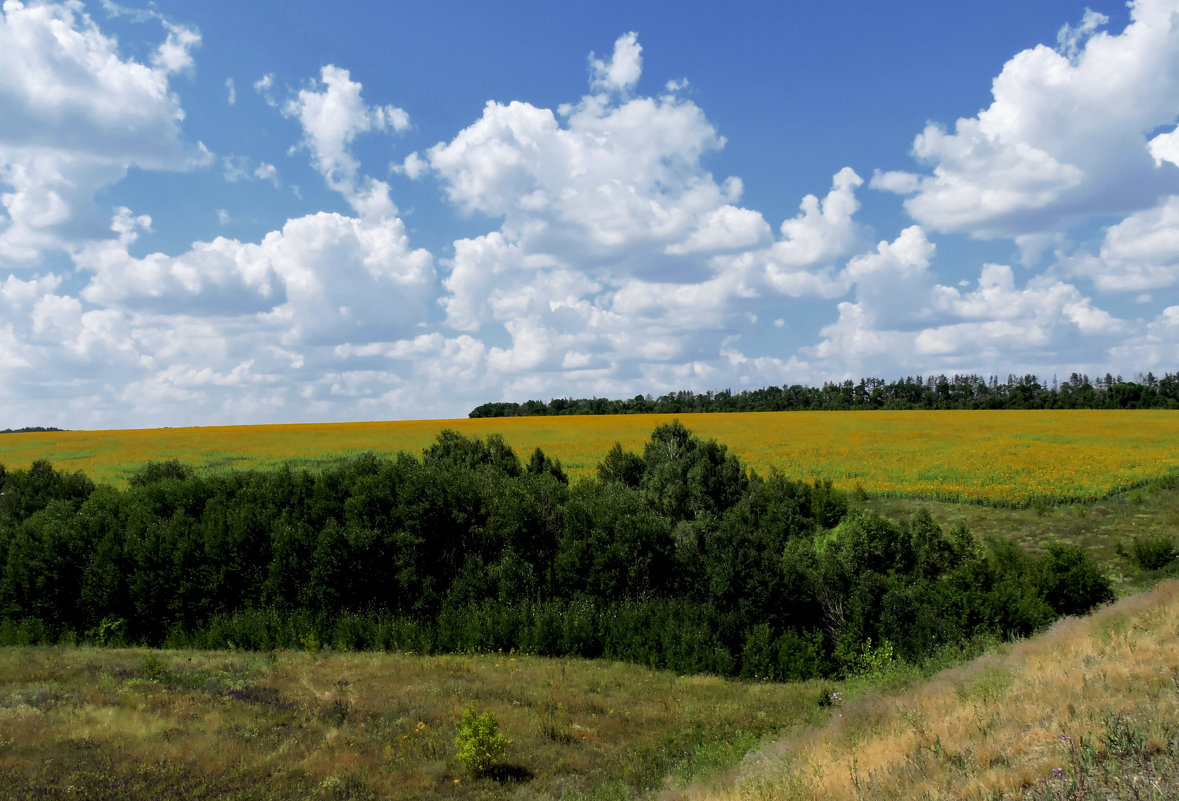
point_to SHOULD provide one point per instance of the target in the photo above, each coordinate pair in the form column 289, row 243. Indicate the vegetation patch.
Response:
column 457, row 572
column 677, row 558
column 137, row 725
column 1072, row 714
column 1006, row 458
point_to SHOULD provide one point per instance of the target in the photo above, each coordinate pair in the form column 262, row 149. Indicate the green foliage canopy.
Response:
column 679, row 557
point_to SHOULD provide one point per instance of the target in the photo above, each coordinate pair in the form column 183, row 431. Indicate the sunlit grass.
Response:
column 140, row 724
column 1009, row 457
column 1093, row 702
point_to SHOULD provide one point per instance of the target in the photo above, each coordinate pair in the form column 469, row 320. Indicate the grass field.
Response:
column 1089, row 709
column 1004, row 457
column 139, row 725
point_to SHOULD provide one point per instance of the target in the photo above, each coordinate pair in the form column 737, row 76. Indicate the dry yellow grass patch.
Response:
column 993, row 727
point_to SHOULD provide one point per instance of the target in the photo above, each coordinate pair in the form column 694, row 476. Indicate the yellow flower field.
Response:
column 996, row 456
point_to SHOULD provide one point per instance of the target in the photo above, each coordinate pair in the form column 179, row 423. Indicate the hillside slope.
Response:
column 1089, row 709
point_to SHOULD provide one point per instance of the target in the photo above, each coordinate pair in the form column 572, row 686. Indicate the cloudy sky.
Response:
column 224, row 212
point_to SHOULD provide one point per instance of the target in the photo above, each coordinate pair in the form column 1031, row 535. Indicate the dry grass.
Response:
column 139, row 724
column 1096, row 698
column 1010, row 457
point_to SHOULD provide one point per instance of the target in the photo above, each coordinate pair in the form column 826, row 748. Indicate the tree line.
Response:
column 676, row 557
column 932, row 392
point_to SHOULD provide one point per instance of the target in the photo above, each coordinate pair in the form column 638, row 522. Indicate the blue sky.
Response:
column 244, row 213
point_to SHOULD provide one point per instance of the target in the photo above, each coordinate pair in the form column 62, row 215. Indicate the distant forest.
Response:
column 29, row 430
column 932, row 392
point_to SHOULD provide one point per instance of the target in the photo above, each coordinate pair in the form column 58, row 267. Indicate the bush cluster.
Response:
column 1154, row 551
column 674, row 557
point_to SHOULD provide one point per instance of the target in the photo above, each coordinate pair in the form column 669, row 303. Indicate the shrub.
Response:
column 1070, row 581
column 757, row 658
column 477, row 741
column 1154, row 551
column 109, row 632
column 800, row 655
column 873, row 660
column 152, row 472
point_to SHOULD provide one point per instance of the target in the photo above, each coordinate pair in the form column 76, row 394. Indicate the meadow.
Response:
column 1105, row 529
column 1085, row 710
column 159, row 725
column 1011, row 458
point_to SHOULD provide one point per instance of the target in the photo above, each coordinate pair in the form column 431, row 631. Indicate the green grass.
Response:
column 1107, row 529
column 1085, row 711
column 140, row 724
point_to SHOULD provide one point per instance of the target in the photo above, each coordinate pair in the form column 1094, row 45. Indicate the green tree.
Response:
column 539, row 464
column 614, row 546
column 452, row 449
column 621, row 467
column 1069, row 580
column 685, row 476
column 159, row 471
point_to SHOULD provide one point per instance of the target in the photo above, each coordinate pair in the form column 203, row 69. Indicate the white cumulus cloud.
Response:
column 77, row 115
column 623, row 69
column 1064, row 137
column 322, row 278
column 1140, row 252
column 616, row 253
column 332, row 113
